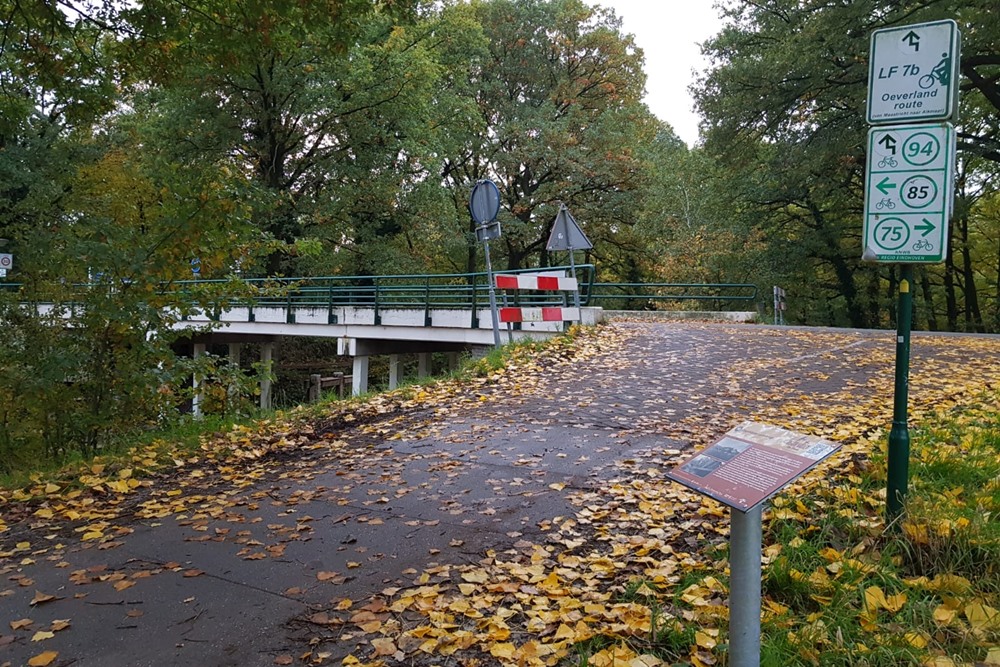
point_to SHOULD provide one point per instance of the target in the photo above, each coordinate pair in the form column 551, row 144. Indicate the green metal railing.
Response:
column 646, row 296
column 453, row 291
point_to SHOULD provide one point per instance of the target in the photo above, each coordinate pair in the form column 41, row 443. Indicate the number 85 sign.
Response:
column 909, row 190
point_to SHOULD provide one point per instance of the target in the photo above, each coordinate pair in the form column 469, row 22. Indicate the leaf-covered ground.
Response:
column 512, row 516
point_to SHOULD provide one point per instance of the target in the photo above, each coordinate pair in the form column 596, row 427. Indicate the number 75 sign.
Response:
column 909, row 192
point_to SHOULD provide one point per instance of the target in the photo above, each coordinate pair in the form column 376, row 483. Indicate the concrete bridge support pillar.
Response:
column 393, row 371
column 266, row 356
column 423, row 364
column 359, row 381
column 452, row 362
column 196, row 400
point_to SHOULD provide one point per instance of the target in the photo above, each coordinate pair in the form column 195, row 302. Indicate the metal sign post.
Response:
column 898, row 463
column 910, row 188
column 779, row 305
column 484, row 205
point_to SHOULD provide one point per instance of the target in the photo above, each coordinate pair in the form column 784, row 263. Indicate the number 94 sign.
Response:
column 909, row 191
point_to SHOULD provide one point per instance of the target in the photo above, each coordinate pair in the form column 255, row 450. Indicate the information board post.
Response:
column 899, row 437
column 744, row 586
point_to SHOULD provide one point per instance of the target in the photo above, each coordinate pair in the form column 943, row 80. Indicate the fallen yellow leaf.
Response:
column 944, row 614
column 504, row 650
column 939, row 661
column 41, row 598
column 475, row 577
column 982, row 616
column 43, row 659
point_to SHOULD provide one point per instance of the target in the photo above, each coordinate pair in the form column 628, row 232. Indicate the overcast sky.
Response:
column 669, row 32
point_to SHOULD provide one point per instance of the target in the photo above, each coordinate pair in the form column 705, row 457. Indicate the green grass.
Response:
column 934, row 567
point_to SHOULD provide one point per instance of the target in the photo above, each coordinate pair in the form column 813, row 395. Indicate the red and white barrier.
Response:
column 538, row 282
column 554, row 283
column 546, row 314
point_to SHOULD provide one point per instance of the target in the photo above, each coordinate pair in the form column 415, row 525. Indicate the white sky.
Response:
column 669, row 33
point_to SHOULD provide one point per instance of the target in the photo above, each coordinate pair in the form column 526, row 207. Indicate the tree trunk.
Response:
column 973, row 317
column 996, row 296
column 925, row 287
column 873, row 300
column 951, row 301
column 844, row 272
column 470, row 254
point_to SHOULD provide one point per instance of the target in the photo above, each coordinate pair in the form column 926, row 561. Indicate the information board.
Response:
column 751, row 463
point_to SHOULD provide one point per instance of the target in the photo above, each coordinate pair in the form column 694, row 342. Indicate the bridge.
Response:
column 408, row 314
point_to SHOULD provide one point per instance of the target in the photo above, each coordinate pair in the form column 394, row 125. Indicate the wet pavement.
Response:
column 220, row 575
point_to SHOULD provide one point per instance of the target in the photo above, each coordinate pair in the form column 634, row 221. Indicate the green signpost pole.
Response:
column 899, row 436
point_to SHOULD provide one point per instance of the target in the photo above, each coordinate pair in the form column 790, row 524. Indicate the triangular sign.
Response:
column 566, row 233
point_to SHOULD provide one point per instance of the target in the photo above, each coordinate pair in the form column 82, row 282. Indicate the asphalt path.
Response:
column 363, row 506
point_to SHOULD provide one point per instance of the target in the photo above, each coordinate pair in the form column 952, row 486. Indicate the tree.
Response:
column 557, row 120
column 324, row 119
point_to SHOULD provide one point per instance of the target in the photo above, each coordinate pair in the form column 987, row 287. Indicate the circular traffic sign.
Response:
column 921, row 149
column 918, row 191
column 5, row 261
column 484, row 202
column 891, row 233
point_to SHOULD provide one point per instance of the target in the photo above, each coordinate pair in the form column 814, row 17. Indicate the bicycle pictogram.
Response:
column 885, row 203
column 923, row 245
column 941, row 73
column 887, row 161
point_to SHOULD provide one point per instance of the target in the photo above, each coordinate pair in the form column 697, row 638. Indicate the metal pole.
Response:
column 572, row 268
column 899, row 437
column 744, row 587
column 493, row 296
column 510, row 328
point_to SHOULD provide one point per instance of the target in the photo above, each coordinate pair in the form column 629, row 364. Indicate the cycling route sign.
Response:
column 913, row 73
column 909, row 192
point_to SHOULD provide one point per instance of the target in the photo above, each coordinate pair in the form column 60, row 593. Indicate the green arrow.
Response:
column 925, row 228
column 884, row 186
